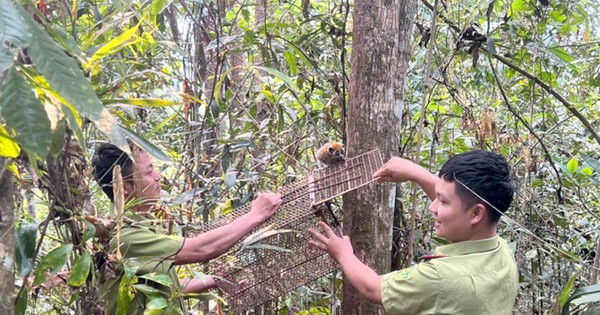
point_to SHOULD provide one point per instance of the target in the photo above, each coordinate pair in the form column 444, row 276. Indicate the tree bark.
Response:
column 7, row 241
column 380, row 53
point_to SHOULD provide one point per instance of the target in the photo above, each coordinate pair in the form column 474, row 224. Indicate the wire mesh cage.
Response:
column 254, row 273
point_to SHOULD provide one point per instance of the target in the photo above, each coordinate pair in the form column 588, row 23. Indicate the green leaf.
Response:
column 148, row 290
column 157, row 304
column 572, row 165
column 8, row 147
column 65, row 77
column 6, row 58
column 148, row 102
column 90, row 231
column 53, row 261
column 518, row 6
column 25, row 114
column 291, row 61
column 564, row 294
column 580, row 296
column 159, row 278
column 26, row 235
column 21, row 303
column 561, row 53
column 116, row 44
column 81, row 270
column 12, row 27
column 587, row 171
column 146, row 145
column 593, row 163
column 126, row 294
column 282, row 76
column 158, row 6
column 558, row 16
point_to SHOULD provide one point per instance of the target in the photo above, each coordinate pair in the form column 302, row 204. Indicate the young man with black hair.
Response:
column 142, row 245
column 476, row 273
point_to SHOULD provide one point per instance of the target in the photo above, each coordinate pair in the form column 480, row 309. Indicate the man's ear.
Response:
column 127, row 189
column 478, row 213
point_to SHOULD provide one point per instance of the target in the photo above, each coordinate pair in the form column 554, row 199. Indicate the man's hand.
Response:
column 265, row 205
column 400, row 170
column 337, row 247
column 397, row 170
column 362, row 277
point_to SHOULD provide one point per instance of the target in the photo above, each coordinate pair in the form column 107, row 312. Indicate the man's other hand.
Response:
column 266, row 204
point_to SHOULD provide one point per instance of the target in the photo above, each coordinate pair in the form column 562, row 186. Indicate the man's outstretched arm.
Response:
column 211, row 244
column 400, row 170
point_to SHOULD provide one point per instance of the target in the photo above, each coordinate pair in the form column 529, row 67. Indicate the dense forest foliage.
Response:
column 232, row 98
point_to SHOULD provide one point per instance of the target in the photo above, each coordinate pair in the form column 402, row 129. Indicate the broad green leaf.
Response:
column 66, row 78
column 12, row 26
column 593, row 163
column 25, row 115
column 157, row 304
column 53, row 261
column 217, row 90
column 291, row 61
column 126, row 292
column 6, row 58
column 303, row 56
column 583, row 295
column 21, row 303
column 564, row 294
column 26, row 235
column 587, row 171
column 81, row 270
column 558, row 16
column 116, row 44
column 572, row 165
column 146, row 145
column 90, row 231
column 159, row 278
column 561, row 53
column 149, row 102
column 148, row 290
column 518, row 6
column 158, row 6
column 8, row 147
column 282, row 76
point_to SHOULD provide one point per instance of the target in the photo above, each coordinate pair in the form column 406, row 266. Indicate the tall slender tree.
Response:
column 380, row 53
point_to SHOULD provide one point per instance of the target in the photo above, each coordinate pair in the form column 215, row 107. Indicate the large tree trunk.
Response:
column 380, row 53
column 7, row 241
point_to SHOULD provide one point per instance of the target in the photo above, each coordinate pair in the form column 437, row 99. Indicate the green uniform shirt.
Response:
column 475, row 277
column 143, row 247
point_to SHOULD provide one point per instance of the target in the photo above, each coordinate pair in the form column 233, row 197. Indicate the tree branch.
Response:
column 524, row 122
column 528, row 75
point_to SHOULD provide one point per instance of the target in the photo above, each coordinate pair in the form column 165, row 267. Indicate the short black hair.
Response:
column 105, row 158
column 485, row 173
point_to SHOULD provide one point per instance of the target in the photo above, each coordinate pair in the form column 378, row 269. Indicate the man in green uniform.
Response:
column 474, row 274
column 142, row 256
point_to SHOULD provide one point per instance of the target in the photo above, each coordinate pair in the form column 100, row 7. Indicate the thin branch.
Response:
column 549, row 89
column 524, row 122
column 421, row 122
column 528, row 75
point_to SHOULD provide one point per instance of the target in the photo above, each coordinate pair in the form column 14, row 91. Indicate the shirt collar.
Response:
column 469, row 247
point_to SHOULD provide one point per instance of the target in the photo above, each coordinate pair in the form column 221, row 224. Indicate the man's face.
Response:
column 146, row 180
column 452, row 220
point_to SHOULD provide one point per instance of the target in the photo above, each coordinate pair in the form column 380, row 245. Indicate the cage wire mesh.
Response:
column 266, row 266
